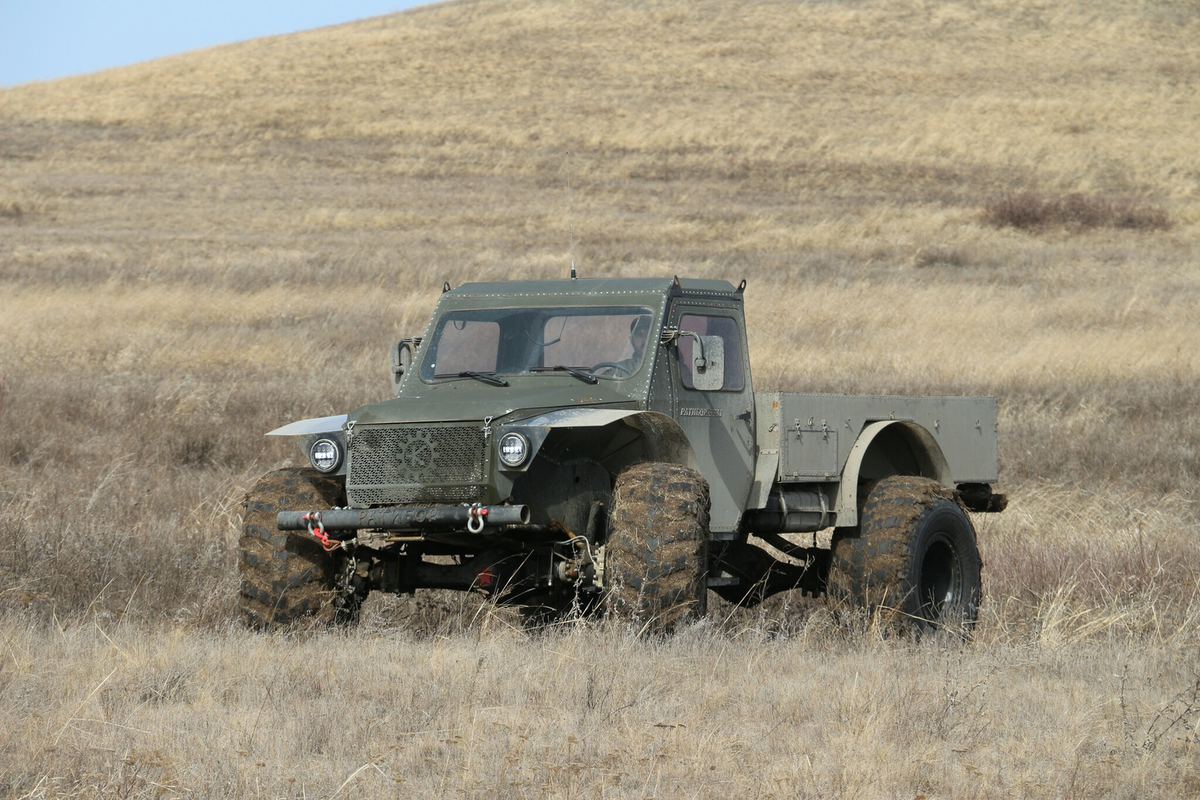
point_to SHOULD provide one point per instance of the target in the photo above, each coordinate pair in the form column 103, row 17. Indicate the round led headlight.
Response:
column 325, row 455
column 514, row 449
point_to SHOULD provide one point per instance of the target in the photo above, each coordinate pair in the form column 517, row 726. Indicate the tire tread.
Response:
column 286, row 576
column 870, row 568
column 657, row 550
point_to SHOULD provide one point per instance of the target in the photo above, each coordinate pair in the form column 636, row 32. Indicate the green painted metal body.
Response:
column 689, row 398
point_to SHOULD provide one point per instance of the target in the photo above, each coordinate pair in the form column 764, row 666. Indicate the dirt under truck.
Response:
column 597, row 446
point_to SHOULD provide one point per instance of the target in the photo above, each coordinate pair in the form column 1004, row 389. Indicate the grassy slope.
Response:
column 199, row 248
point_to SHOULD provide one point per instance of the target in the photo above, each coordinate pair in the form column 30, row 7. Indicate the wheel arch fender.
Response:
column 306, row 432
column 889, row 442
column 664, row 439
column 661, row 437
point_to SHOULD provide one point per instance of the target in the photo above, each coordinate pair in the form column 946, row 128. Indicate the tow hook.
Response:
column 476, row 516
column 316, row 529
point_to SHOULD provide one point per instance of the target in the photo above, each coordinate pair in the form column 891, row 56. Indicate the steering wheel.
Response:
column 614, row 366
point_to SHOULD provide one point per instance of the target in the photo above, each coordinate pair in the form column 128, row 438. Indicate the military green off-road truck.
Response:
column 574, row 446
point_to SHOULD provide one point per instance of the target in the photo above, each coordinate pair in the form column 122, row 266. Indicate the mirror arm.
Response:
column 700, row 361
column 397, row 360
column 670, row 335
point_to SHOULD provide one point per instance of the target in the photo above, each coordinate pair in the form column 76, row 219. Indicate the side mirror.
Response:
column 404, row 352
column 709, row 372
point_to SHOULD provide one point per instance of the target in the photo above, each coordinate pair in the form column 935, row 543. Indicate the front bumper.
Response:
column 404, row 518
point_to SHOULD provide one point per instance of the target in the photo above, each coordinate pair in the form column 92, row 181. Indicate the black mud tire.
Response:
column 656, row 557
column 287, row 577
column 912, row 562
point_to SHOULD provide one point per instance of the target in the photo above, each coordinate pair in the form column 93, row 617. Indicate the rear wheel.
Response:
column 912, row 561
column 286, row 575
column 656, row 557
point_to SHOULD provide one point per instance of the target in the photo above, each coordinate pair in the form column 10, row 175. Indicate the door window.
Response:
column 724, row 329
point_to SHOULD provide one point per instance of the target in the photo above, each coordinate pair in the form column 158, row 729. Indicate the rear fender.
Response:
column 883, row 449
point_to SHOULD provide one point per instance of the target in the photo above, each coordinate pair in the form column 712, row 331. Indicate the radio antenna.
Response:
column 571, row 215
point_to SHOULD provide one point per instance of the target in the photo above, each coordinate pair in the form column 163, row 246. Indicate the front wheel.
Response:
column 912, row 561
column 656, row 556
column 286, row 575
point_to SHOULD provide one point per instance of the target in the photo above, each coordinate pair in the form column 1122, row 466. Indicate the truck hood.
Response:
column 467, row 399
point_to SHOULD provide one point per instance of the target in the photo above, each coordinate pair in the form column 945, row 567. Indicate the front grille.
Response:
column 416, row 464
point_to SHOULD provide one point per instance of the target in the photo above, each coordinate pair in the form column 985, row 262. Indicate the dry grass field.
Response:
column 973, row 197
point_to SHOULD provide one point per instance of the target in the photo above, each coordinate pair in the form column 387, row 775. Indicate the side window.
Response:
column 726, row 328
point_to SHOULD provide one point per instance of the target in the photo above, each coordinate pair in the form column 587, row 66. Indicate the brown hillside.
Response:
column 1074, row 97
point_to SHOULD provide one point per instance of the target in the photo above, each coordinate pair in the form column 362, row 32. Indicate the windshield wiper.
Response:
column 576, row 371
column 482, row 376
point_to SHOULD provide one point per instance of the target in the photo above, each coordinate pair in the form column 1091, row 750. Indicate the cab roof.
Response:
column 602, row 286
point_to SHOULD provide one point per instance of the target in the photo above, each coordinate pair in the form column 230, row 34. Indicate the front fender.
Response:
column 307, row 427
column 662, row 438
column 308, row 431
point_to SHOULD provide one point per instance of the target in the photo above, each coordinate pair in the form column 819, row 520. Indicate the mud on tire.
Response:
column 286, row 575
column 913, row 561
column 656, row 559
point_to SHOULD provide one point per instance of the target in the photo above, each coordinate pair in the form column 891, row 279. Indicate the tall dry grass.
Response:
column 196, row 250
column 821, row 709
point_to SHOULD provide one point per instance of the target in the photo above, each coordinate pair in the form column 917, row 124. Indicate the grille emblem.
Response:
column 418, row 450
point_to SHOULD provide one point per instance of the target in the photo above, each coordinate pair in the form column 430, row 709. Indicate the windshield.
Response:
column 607, row 343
